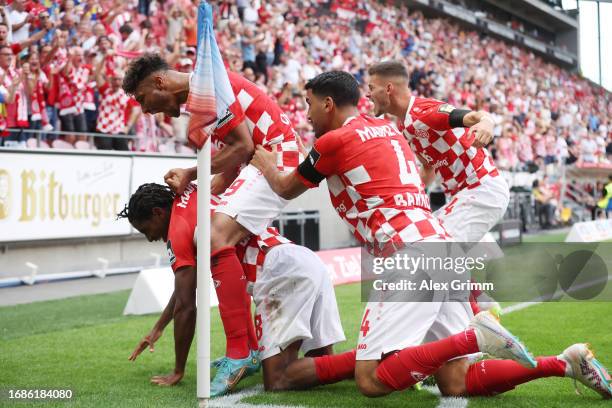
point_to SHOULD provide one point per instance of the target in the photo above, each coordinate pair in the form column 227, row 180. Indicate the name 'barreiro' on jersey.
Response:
column 373, row 183
column 267, row 123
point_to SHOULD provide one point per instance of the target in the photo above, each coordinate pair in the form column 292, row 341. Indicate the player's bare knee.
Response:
column 367, row 383
column 451, row 378
column 454, row 389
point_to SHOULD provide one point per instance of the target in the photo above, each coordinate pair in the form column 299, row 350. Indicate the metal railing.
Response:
column 89, row 135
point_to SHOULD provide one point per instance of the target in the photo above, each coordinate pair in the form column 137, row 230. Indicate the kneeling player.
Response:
column 296, row 305
column 296, row 311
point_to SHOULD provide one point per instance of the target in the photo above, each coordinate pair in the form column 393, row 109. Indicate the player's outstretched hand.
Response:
column 148, row 341
column 263, row 159
column 178, row 180
column 482, row 132
column 168, row 380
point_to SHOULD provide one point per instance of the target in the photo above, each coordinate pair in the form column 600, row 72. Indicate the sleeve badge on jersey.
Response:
column 170, row 252
column 313, row 156
column 446, row 108
column 225, row 119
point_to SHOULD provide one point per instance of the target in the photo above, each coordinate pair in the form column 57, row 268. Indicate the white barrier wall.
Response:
column 54, row 195
column 590, row 231
column 59, row 195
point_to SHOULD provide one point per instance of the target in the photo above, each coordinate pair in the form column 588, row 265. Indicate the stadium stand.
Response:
column 61, row 62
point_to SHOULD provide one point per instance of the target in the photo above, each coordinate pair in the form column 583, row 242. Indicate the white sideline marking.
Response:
column 447, row 402
column 558, row 294
column 233, row 400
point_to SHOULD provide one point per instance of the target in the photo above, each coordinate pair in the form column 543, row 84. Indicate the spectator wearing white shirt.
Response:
column 20, row 21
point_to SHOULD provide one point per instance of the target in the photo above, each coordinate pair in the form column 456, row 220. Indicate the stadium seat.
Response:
column 167, row 148
column 185, row 150
column 61, row 144
column 82, row 145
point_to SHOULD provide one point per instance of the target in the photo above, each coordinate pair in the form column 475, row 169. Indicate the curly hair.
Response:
column 147, row 197
column 140, row 69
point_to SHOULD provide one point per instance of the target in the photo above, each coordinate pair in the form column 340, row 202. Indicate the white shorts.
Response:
column 295, row 300
column 391, row 322
column 391, row 326
column 471, row 213
column 251, row 201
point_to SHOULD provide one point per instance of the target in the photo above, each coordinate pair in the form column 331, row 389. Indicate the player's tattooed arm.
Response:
column 179, row 179
column 238, row 149
column 481, row 125
column 286, row 185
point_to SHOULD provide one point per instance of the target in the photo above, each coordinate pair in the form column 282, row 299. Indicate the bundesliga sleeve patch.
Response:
column 170, row 252
column 225, row 119
column 446, row 108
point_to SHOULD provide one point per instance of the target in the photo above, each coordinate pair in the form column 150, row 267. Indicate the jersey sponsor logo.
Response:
column 418, row 377
column 362, row 346
column 422, row 133
column 170, row 252
column 285, row 119
column 373, row 132
column 185, row 196
column 446, row 108
column 440, row 163
column 225, row 119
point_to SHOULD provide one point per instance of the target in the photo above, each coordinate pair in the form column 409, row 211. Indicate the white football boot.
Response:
column 583, row 366
column 497, row 341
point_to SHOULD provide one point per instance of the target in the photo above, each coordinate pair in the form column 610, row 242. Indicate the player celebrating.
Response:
column 295, row 300
column 248, row 205
column 374, row 186
column 448, row 142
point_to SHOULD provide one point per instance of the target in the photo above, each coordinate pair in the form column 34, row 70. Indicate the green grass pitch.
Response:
column 83, row 344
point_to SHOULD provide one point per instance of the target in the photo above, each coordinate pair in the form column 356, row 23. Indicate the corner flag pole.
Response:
column 204, row 276
column 210, row 96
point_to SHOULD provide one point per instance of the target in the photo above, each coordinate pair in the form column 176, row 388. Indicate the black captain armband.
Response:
column 307, row 168
column 455, row 118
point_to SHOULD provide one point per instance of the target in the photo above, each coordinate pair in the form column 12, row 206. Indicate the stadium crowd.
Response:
column 62, row 63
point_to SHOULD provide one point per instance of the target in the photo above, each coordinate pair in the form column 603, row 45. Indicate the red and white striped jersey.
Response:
column 374, row 184
column 252, row 250
column 449, row 151
column 267, row 123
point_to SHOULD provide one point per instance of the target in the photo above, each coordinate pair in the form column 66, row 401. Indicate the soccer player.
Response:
column 375, row 188
column 248, row 205
column 294, row 297
column 451, row 143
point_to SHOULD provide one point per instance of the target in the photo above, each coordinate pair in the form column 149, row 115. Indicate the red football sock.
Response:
column 230, row 284
column 490, row 377
column 252, row 335
column 335, row 367
column 474, row 304
column 407, row 367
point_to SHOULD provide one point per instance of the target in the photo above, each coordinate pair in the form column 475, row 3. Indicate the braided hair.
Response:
column 147, row 197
